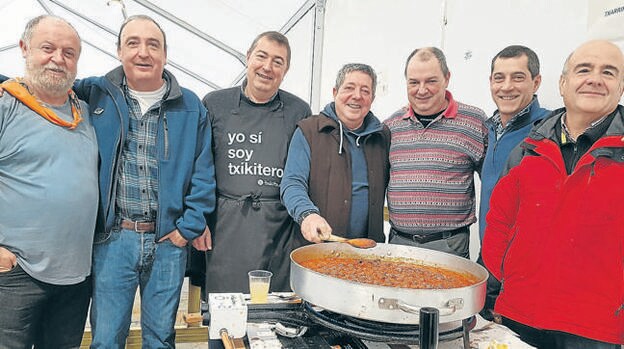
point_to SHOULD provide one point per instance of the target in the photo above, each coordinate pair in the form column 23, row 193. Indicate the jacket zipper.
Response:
column 166, row 127
column 166, row 156
column 502, row 281
column 112, row 185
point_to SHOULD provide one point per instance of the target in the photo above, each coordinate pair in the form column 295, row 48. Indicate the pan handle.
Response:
column 449, row 307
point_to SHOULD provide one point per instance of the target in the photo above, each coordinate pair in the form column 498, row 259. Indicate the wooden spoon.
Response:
column 357, row 243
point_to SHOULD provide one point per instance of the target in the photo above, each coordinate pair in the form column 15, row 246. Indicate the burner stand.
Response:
column 384, row 332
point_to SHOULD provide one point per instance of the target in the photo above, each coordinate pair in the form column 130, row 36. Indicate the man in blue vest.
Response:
column 514, row 80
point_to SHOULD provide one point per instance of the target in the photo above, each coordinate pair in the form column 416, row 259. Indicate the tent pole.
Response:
column 186, row 26
column 444, row 24
column 317, row 56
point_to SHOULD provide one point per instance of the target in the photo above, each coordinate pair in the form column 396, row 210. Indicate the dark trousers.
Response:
column 492, row 291
column 41, row 314
column 454, row 242
column 545, row 339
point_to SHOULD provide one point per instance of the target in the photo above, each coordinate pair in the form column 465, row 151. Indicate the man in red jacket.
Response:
column 554, row 235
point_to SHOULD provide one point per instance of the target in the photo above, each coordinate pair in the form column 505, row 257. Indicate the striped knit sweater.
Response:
column 431, row 186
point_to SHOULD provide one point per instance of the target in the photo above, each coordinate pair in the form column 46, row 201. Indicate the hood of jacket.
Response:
column 545, row 128
column 370, row 125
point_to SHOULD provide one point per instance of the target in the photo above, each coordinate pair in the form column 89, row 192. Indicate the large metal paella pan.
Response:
column 384, row 303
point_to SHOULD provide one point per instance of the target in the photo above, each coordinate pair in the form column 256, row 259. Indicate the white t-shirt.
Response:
column 148, row 99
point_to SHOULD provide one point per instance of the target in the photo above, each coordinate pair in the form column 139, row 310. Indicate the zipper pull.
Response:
column 166, row 127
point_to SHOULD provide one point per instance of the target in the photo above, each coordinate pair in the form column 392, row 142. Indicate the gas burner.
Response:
column 381, row 331
column 325, row 329
column 366, row 324
column 289, row 314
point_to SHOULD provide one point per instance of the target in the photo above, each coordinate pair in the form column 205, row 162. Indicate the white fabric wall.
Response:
column 382, row 34
column 376, row 32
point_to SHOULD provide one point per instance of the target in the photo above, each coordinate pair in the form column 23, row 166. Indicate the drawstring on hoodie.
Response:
column 340, row 145
column 357, row 139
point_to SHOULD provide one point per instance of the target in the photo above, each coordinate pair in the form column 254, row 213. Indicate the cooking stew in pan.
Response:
column 394, row 272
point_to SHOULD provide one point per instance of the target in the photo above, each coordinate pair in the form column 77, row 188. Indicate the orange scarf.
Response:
column 20, row 91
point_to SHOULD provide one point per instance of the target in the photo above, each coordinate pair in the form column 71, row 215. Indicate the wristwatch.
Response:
column 305, row 214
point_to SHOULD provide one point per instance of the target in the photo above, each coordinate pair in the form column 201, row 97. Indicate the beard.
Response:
column 46, row 77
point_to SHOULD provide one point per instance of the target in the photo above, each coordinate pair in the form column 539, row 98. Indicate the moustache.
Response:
column 55, row 68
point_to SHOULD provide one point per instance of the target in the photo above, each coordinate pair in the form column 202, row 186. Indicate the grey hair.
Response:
column 29, row 30
column 564, row 71
column 425, row 54
column 351, row 67
column 144, row 18
column 533, row 64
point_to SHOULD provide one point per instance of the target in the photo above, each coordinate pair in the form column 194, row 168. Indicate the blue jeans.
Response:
column 41, row 314
column 122, row 263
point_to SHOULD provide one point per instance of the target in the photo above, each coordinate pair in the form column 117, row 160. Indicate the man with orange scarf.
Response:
column 48, row 194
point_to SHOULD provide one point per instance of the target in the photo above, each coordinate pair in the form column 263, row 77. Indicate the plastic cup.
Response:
column 259, row 281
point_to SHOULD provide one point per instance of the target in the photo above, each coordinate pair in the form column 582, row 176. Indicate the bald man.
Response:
column 48, row 194
column 554, row 229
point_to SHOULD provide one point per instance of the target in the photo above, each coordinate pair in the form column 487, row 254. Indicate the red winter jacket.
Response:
column 556, row 241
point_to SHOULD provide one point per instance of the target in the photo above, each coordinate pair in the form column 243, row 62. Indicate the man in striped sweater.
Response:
column 437, row 145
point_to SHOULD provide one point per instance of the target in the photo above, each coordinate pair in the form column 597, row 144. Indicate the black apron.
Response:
column 250, row 227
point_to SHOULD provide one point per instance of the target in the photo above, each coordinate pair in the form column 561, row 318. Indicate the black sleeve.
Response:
column 514, row 158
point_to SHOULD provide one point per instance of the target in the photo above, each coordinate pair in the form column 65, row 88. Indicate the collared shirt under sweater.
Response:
column 432, row 168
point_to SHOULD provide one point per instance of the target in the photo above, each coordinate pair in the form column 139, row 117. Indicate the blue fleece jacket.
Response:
column 186, row 178
column 498, row 151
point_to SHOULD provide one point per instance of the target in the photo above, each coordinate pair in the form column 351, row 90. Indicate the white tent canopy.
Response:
column 208, row 39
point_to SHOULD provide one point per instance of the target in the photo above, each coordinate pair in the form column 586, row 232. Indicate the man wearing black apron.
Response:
column 252, row 126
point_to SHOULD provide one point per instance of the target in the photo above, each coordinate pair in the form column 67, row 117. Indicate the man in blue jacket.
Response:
column 514, row 80
column 156, row 187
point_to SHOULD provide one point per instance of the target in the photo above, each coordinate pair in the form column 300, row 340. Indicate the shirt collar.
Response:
column 595, row 130
column 498, row 123
column 244, row 85
column 450, row 111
